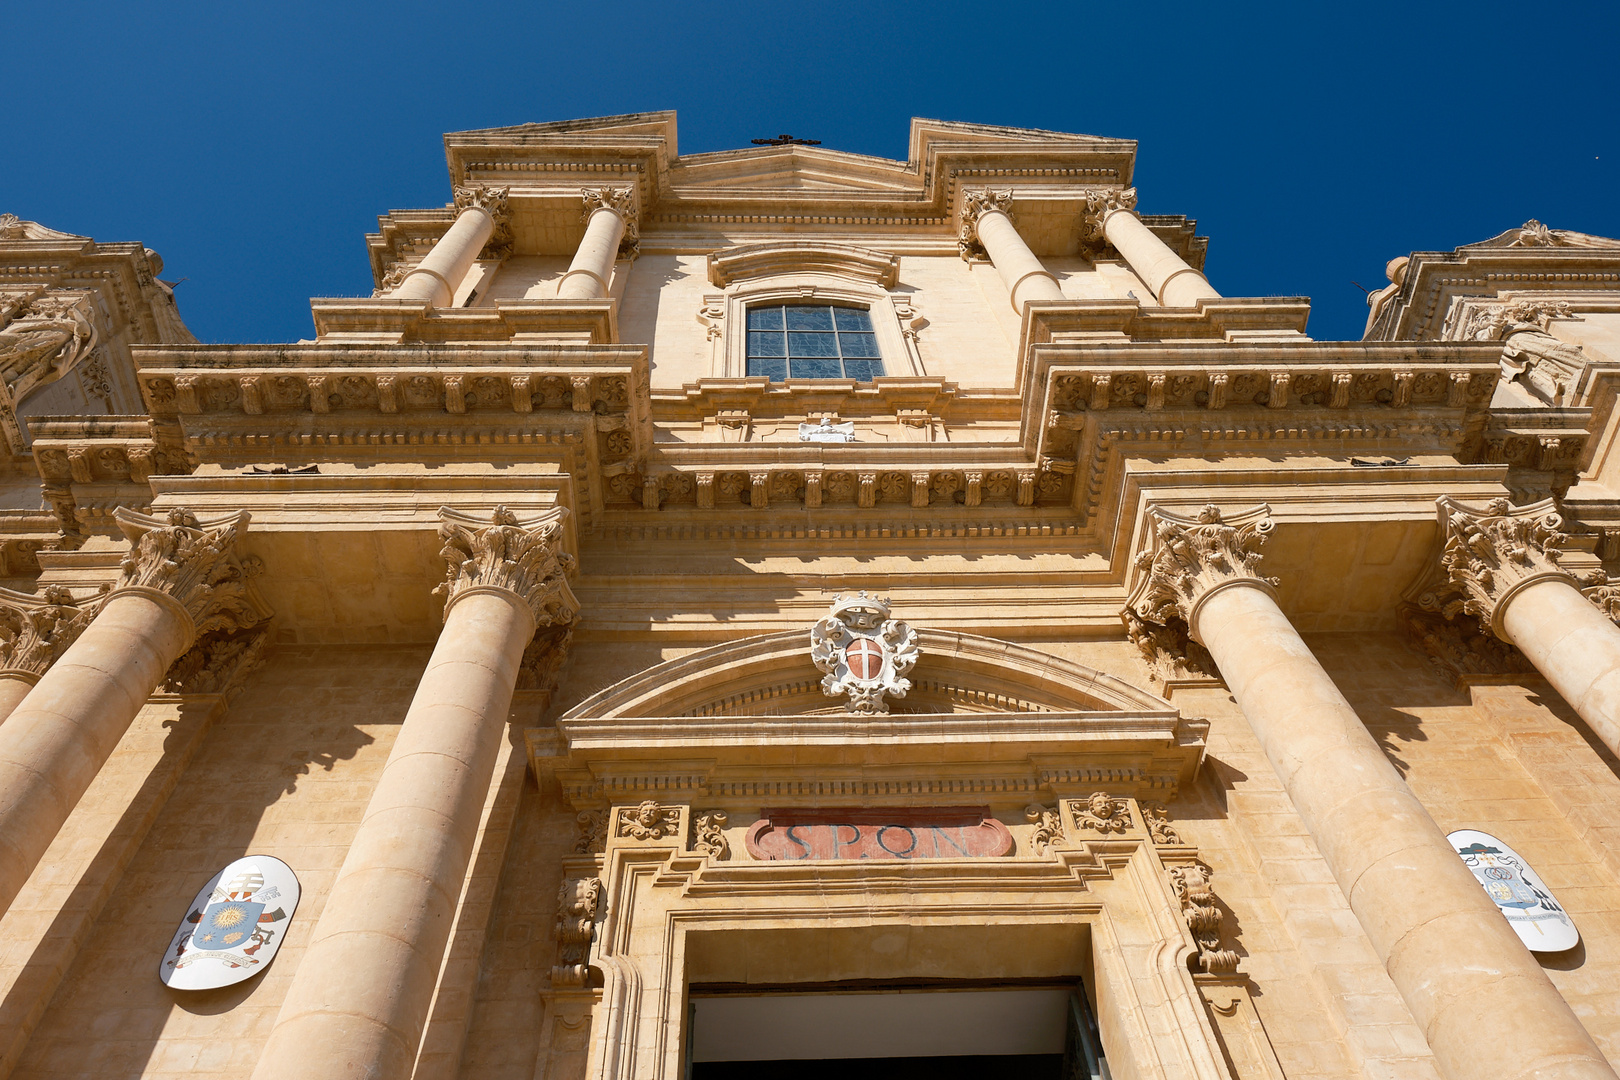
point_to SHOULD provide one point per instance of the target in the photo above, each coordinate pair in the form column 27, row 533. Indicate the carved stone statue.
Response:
column 1530, row 354
column 41, row 338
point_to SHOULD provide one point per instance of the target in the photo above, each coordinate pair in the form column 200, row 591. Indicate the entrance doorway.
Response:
column 933, row 1032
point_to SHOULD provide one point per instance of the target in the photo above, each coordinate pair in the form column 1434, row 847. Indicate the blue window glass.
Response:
column 812, row 341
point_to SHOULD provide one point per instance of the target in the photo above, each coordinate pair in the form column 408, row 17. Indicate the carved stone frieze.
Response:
column 36, row 630
column 975, row 204
column 1100, row 812
column 1048, row 829
column 709, row 836
column 493, row 201
column 623, row 203
column 1200, row 908
column 524, row 557
column 1492, row 552
column 647, row 821
column 1189, row 557
column 579, row 902
column 198, row 564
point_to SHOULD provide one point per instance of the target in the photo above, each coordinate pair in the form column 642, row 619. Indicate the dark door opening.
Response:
column 930, row 1033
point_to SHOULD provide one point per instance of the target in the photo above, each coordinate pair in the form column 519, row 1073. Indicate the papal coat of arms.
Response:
column 234, row 927
column 863, row 653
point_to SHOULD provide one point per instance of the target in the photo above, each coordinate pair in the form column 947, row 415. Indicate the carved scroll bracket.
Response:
column 198, row 564
column 579, row 903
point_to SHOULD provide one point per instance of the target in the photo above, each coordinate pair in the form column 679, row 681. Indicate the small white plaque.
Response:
column 827, row 431
column 234, row 927
column 1520, row 894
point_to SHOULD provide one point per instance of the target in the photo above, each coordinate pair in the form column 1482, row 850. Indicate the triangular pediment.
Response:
column 800, row 168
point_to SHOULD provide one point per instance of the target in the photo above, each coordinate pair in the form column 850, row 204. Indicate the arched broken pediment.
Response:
column 958, row 673
column 749, row 262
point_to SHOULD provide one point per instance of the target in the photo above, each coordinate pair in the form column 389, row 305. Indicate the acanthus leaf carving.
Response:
column 1492, row 552
column 1048, row 823
column 218, row 662
column 1189, row 557
column 524, row 557
column 36, row 630
column 1201, row 910
column 709, row 835
column 579, row 902
column 198, row 564
column 1157, row 818
column 593, row 830
column 493, row 201
column 1099, row 204
column 975, row 204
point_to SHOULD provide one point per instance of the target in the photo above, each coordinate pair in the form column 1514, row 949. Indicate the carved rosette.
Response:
column 579, row 902
column 521, row 556
column 1492, row 552
column 623, row 203
column 1048, row 827
column 197, row 563
column 976, row 204
column 1099, row 204
column 36, row 630
column 492, row 201
column 1201, row 910
column 1191, row 557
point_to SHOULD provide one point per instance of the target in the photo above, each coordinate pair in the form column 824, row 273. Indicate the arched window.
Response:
column 812, row 341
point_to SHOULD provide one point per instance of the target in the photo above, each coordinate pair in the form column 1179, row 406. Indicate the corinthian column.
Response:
column 1504, row 561
column 1111, row 215
column 483, row 216
column 987, row 224
column 610, row 232
column 34, row 632
column 360, row 999
column 1457, row 963
column 182, row 577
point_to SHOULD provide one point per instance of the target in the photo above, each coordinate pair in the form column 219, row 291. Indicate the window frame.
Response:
column 730, row 361
column 833, row 331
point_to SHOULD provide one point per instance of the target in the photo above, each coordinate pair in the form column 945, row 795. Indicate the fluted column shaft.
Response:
column 1111, row 215
column 359, row 1002
column 364, row 986
column 436, row 278
column 1455, row 960
column 180, row 577
column 591, row 272
column 56, row 740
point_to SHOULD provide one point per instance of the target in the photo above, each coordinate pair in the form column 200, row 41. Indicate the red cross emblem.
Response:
column 864, row 657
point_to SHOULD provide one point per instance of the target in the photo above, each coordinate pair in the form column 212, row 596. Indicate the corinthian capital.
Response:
column 36, row 630
column 198, row 564
column 1099, row 204
column 975, row 204
column 492, row 201
column 523, row 557
column 1492, row 552
column 622, row 202
column 1191, row 557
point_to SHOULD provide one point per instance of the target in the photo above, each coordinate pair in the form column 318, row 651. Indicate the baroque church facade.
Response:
column 784, row 611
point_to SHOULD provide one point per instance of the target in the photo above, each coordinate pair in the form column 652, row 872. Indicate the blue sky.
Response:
column 254, row 145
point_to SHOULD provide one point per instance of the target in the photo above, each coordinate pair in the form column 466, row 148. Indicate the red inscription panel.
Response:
column 948, row 832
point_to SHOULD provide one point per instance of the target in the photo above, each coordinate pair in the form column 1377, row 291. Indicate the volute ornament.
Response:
column 521, row 556
column 863, row 653
column 1157, row 818
column 708, row 834
column 1191, row 557
column 198, row 563
column 579, row 902
column 1200, row 909
column 1048, row 827
column 36, row 630
column 1493, row 551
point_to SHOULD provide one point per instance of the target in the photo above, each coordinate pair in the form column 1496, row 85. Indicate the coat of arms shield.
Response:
column 234, row 926
column 863, row 653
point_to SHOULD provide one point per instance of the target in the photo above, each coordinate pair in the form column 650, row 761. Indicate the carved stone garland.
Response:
column 1494, row 551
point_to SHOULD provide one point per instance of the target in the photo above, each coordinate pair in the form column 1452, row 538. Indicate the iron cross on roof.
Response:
column 785, row 140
